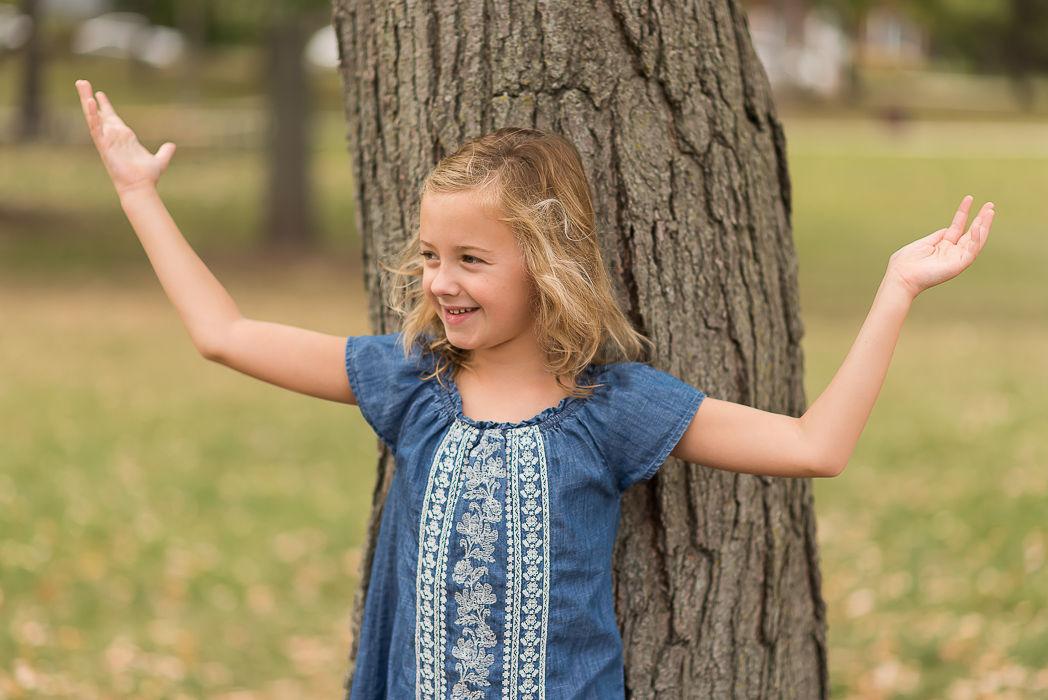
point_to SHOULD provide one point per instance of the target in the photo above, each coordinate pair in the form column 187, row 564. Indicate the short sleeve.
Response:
column 385, row 382
column 640, row 415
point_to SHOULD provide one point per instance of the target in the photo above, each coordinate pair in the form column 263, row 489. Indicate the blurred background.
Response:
column 169, row 529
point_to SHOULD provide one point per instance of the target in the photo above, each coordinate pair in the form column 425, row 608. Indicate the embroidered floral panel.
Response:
column 482, row 606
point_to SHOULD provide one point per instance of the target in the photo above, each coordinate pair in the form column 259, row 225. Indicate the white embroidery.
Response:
column 524, row 504
column 526, row 679
column 431, row 591
column 482, row 481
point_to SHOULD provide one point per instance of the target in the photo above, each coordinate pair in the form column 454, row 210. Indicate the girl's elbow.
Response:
column 216, row 339
column 822, row 457
column 210, row 345
column 830, row 469
column 818, row 461
column 209, row 352
column 827, row 466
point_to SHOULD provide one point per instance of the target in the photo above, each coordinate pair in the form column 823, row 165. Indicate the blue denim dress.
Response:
column 492, row 574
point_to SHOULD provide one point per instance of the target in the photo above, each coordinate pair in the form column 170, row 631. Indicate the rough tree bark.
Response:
column 716, row 575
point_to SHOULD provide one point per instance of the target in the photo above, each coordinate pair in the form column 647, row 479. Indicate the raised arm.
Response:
column 819, row 443
column 303, row 361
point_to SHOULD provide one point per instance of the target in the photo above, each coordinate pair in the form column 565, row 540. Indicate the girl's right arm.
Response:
column 303, row 361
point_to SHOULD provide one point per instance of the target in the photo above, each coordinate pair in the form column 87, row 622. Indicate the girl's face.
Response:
column 474, row 275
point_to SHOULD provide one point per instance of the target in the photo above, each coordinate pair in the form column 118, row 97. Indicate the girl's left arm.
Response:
column 738, row 438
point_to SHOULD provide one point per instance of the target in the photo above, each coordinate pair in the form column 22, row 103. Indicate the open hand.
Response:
column 129, row 164
column 944, row 254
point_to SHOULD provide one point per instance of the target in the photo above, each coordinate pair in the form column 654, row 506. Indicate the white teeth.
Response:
column 457, row 312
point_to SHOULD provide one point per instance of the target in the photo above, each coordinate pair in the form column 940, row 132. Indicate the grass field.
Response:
column 933, row 540
column 169, row 529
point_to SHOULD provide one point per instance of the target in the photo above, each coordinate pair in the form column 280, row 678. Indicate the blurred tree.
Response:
column 289, row 221
column 991, row 35
column 191, row 19
column 852, row 14
column 31, row 109
column 282, row 27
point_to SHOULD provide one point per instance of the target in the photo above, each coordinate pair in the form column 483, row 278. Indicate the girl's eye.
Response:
column 429, row 255
column 469, row 259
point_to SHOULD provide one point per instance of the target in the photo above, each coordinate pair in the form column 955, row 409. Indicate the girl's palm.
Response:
column 129, row 164
column 944, row 254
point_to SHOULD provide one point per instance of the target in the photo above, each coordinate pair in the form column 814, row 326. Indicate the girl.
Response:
column 515, row 411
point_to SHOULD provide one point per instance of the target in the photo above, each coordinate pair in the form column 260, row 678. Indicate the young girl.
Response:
column 515, row 411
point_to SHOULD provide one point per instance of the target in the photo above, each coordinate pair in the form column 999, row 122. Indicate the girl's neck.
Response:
column 507, row 391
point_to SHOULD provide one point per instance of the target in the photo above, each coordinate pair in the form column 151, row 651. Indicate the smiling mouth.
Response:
column 459, row 312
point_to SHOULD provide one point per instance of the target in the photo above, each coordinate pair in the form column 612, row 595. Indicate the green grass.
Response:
column 933, row 541
column 173, row 530
column 168, row 524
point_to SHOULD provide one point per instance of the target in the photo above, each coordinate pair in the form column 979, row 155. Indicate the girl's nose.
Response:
column 442, row 282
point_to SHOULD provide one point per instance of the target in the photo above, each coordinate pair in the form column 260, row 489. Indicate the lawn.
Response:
column 170, row 525
column 933, row 541
column 174, row 530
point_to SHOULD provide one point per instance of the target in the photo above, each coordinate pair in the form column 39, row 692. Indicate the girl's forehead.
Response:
column 459, row 219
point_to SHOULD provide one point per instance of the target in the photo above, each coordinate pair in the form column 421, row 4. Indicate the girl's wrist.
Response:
column 896, row 286
column 136, row 191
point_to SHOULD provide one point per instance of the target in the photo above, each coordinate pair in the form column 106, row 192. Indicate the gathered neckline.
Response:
column 547, row 417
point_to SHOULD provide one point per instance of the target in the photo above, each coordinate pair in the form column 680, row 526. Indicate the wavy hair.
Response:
column 534, row 182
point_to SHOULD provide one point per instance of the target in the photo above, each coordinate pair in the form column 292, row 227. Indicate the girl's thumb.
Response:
column 164, row 154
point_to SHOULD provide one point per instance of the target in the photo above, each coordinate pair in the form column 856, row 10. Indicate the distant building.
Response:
column 805, row 46
column 15, row 28
column 892, row 39
column 128, row 35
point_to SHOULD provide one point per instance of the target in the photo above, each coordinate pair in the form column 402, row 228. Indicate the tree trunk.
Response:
column 1024, row 52
column 31, row 107
column 289, row 222
column 191, row 19
column 716, row 575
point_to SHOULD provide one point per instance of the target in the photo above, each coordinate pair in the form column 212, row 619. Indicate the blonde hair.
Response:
column 534, row 182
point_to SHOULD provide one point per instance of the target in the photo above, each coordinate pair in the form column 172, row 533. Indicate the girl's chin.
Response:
column 457, row 340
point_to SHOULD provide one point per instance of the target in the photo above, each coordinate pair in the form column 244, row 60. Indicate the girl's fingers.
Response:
column 985, row 222
column 83, row 88
column 972, row 243
column 90, row 107
column 971, row 235
column 976, row 236
column 105, row 107
column 986, row 212
column 960, row 220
